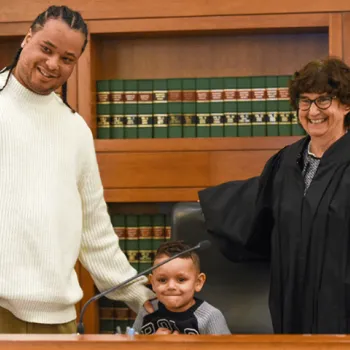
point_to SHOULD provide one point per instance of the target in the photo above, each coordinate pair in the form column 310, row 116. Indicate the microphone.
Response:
column 80, row 328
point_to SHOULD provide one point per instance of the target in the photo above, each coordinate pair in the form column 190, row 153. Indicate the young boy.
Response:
column 176, row 308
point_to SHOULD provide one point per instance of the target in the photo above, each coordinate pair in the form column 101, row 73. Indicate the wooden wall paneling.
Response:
column 154, row 169
column 336, row 35
column 237, row 165
column 152, row 195
column 91, row 319
column 255, row 23
column 346, row 37
column 14, row 29
column 86, row 102
column 194, row 144
column 86, row 90
column 209, row 55
column 72, row 90
column 8, row 49
column 18, row 10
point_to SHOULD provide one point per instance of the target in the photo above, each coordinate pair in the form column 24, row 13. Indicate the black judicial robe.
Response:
column 306, row 238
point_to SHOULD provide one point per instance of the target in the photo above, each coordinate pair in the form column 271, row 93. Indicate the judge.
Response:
column 297, row 212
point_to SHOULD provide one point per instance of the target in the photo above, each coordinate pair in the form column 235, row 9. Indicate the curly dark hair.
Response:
column 172, row 248
column 330, row 75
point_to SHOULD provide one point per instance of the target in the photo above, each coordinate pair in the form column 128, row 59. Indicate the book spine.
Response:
column 167, row 228
column 130, row 109
column 145, row 109
column 160, row 108
column 175, row 108
column 283, row 106
column 271, row 106
column 258, row 106
column 203, row 107
column 244, row 108
column 145, row 242
column 132, row 243
column 117, row 108
column 230, row 107
column 158, row 232
column 189, row 107
column 297, row 129
column 103, row 109
column 217, row 107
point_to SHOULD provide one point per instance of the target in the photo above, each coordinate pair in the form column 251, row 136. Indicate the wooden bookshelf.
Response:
column 188, row 45
column 174, row 170
column 164, row 39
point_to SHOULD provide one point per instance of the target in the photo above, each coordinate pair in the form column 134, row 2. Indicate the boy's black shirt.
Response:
column 184, row 322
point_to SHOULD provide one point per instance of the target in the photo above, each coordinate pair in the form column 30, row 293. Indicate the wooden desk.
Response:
column 183, row 342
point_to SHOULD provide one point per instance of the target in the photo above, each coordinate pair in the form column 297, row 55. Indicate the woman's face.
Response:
column 325, row 118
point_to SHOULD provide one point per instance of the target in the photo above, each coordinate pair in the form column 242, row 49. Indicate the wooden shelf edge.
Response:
column 194, row 144
column 236, row 22
column 154, row 195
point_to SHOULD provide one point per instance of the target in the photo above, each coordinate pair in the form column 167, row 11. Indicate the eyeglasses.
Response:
column 322, row 102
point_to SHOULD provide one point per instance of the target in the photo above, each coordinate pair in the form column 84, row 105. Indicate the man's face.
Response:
column 49, row 56
column 324, row 123
column 176, row 282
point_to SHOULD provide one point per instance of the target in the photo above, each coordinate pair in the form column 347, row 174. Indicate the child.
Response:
column 176, row 308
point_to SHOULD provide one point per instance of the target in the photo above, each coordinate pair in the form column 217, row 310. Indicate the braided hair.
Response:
column 72, row 18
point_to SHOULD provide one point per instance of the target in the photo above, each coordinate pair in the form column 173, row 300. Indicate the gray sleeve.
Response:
column 141, row 314
column 211, row 320
column 139, row 320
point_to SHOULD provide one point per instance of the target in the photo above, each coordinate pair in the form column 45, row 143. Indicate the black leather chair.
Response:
column 239, row 290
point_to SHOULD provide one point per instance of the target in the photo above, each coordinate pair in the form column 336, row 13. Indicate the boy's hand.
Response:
column 148, row 306
column 165, row 331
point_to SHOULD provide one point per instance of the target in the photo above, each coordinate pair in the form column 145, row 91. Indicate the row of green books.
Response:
column 195, row 107
column 139, row 238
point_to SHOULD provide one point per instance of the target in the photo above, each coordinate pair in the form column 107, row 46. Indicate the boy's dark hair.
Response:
column 331, row 76
column 72, row 18
column 172, row 248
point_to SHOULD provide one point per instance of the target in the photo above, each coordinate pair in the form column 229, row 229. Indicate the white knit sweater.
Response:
column 52, row 211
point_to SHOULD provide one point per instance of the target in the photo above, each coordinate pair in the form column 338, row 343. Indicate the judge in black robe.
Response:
column 301, row 226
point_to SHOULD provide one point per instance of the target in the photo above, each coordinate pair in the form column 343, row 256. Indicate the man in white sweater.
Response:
column 52, row 209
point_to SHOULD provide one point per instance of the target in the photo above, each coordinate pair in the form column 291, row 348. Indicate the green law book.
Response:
column 145, row 242
column 119, row 225
column 174, row 108
column 145, row 109
column 158, row 232
column 117, row 108
column 111, row 315
column 230, row 107
column 132, row 241
column 217, row 107
column 244, row 106
column 189, row 107
column 258, row 106
column 271, row 106
column 167, row 227
column 284, row 107
column 103, row 109
column 160, row 108
column 203, row 107
column 297, row 129
column 130, row 109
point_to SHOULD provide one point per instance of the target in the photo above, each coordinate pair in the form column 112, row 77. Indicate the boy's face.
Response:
column 176, row 282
